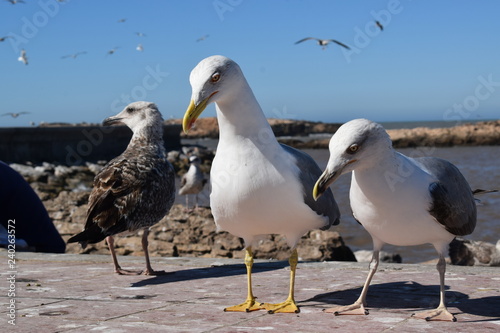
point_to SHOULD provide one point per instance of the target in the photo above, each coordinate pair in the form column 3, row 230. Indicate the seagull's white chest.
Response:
column 396, row 210
column 256, row 190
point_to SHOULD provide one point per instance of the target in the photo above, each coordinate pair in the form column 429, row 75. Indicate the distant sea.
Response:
column 429, row 123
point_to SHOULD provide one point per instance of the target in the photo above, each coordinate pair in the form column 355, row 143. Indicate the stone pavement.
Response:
column 80, row 293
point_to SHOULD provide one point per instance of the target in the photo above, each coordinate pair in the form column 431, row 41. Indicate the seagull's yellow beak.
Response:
column 327, row 178
column 193, row 112
column 321, row 185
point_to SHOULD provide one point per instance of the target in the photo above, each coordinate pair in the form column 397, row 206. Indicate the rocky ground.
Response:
column 64, row 191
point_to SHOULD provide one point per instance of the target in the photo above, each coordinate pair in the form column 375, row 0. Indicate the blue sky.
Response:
column 435, row 60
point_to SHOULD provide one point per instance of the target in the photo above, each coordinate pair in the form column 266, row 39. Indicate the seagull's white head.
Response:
column 357, row 144
column 212, row 80
column 138, row 116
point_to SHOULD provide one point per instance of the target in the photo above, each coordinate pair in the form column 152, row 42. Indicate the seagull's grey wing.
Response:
column 453, row 203
column 309, row 173
column 339, row 43
column 304, row 39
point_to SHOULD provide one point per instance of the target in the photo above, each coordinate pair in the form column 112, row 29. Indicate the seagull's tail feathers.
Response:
column 92, row 234
column 481, row 191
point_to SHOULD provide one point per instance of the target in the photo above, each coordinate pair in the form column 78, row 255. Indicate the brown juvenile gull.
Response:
column 258, row 186
column 323, row 42
column 192, row 182
column 399, row 200
column 134, row 190
column 4, row 38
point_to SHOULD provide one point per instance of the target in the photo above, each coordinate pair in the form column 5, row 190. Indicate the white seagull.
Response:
column 258, row 186
column 323, row 42
column 192, row 182
column 14, row 114
column 74, row 55
column 135, row 190
column 399, row 200
column 23, row 58
column 139, row 48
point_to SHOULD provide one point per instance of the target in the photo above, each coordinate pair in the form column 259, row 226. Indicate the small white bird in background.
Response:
column 323, row 42
column 140, row 34
column 14, row 115
column 23, row 58
column 139, row 48
column 399, row 200
column 122, row 20
column 192, row 182
column 74, row 55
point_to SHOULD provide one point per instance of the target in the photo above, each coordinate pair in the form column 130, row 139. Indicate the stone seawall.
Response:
column 71, row 145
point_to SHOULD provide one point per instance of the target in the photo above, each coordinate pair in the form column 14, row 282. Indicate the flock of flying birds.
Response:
column 24, row 59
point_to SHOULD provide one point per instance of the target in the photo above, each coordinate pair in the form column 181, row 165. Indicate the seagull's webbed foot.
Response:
column 288, row 306
column 121, row 271
column 441, row 313
column 247, row 306
column 356, row 308
column 153, row 272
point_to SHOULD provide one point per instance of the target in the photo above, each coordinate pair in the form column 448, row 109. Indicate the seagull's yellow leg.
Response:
column 249, row 304
column 289, row 305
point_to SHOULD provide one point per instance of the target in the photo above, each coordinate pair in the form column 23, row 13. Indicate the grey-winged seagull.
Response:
column 192, row 182
column 323, row 42
column 74, row 55
column 15, row 114
column 399, row 200
column 258, row 185
column 134, row 190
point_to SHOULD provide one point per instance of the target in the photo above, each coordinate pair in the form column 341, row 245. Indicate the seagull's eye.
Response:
column 130, row 109
column 352, row 149
column 215, row 77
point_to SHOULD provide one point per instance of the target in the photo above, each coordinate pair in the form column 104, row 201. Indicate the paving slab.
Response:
column 81, row 293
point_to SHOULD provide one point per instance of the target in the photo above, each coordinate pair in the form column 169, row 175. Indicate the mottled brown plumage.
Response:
column 134, row 190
